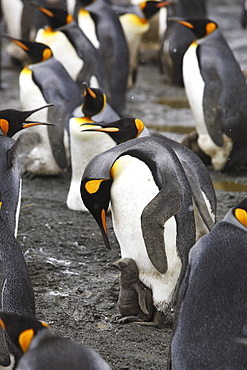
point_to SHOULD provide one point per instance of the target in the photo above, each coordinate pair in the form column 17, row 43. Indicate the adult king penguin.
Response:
column 45, row 80
column 44, row 350
column 217, row 92
column 152, row 212
column 112, row 47
column 201, row 186
column 11, row 122
column 70, row 46
column 212, row 307
column 84, row 146
column 176, row 39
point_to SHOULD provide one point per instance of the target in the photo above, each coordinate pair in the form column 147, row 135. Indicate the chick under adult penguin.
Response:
column 217, row 91
column 70, row 46
column 84, row 146
column 43, row 81
column 11, row 122
column 44, row 350
column 211, row 315
column 112, row 46
column 201, row 186
column 152, row 212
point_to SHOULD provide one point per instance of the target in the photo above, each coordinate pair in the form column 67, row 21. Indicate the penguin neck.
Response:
column 126, row 280
column 40, row 338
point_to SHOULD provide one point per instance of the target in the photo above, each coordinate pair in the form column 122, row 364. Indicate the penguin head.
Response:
column 200, row 27
column 120, row 131
column 56, row 16
column 36, row 51
column 86, row 2
column 95, row 194
column 21, row 329
column 12, row 120
column 151, row 7
column 127, row 267
column 94, row 101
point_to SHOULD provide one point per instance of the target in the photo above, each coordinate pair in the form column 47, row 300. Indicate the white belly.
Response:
column 194, row 88
column 133, row 187
column 62, row 50
column 87, row 25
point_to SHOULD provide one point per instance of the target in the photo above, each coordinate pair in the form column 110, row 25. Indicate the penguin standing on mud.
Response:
column 84, row 146
column 211, row 317
column 134, row 19
column 204, row 198
column 44, row 350
column 110, row 41
column 152, row 212
column 71, row 46
column 217, row 93
column 176, row 39
column 44, row 81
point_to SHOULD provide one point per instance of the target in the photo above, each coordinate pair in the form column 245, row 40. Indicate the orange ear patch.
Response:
column 4, row 125
column 241, row 216
column 25, row 339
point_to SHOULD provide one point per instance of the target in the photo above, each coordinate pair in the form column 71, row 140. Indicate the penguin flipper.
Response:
column 141, row 298
column 4, row 352
column 211, row 101
column 197, row 196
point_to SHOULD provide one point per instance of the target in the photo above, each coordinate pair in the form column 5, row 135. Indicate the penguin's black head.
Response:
column 12, row 120
column 36, row 51
column 200, row 27
column 151, row 7
column 94, row 101
column 120, row 131
column 240, row 212
column 21, row 329
column 56, row 16
column 95, row 194
column 84, row 3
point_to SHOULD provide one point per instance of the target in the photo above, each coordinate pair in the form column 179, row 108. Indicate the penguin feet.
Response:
column 118, row 319
column 191, row 141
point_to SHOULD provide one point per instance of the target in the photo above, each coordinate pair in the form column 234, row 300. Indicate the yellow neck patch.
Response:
column 241, row 216
column 92, row 186
column 4, row 125
column 139, row 125
column 210, row 27
column 25, row 339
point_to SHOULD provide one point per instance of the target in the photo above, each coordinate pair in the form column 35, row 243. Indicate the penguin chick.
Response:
column 211, row 310
column 216, row 99
column 135, row 301
column 44, row 350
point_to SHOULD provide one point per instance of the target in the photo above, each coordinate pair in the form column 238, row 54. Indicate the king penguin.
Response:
column 98, row 19
column 152, row 212
column 85, row 145
column 204, row 198
column 45, row 80
column 11, row 122
column 16, row 292
column 211, row 313
column 217, row 99
column 134, row 19
column 176, row 39
column 44, row 350
column 71, row 47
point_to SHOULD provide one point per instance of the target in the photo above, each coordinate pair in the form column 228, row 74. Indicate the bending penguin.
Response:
column 152, row 212
column 217, row 100
column 44, row 350
column 84, row 146
column 204, row 199
column 70, row 46
column 43, row 81
column 211, row 315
